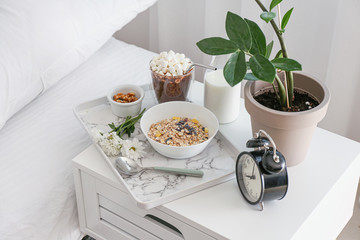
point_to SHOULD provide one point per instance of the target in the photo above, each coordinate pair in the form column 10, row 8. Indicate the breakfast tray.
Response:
column 149, row 188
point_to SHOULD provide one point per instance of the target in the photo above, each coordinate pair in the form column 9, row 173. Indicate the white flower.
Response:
column 110, row 143
column 97, row 135
column 113, row 145
column 133, row 149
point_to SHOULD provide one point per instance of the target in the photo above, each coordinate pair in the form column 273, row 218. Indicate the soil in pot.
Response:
column 302, row 101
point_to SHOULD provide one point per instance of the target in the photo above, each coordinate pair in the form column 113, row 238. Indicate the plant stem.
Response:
column 282, row 91
column 275, row 91
column 285, row 75
column 248, row 54
column 276, row 29
column 279, row 14
column 289, row 76
column 290, row 83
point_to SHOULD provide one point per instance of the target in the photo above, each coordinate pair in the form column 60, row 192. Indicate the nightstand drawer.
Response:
column 123, row 224
column 106, row 206
column 122, row 217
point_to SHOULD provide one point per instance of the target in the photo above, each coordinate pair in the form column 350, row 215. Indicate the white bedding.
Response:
column 37, row 198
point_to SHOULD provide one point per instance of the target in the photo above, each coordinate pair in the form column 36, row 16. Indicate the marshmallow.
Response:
column 179, row 72
column 185, row 66
column 170, row 63
column 163, row 63
column 171, row 69
column 178, row 66
column 163, row 54
column 169, row 59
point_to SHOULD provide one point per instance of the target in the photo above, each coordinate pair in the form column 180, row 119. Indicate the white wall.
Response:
column 323, row 35
column 137, row 32
column 343, row 75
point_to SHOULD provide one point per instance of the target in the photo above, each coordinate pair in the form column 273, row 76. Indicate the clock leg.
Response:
column 261, row 205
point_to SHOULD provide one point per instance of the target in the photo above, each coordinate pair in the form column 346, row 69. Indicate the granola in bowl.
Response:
column 178, row 131
column 176, row 111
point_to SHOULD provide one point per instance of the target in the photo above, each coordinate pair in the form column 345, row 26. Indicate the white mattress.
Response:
column 37, row 198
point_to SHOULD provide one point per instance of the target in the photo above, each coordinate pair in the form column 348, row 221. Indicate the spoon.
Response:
column 128, row 166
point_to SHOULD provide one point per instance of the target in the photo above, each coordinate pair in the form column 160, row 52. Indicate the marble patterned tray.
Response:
column 149, row 188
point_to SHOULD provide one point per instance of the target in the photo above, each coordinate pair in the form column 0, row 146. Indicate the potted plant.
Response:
column 288, row 105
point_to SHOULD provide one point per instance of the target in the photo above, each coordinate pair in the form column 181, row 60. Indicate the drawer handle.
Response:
column 164, row 223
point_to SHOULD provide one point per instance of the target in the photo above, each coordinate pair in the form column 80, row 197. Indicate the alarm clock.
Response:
column 261, row 174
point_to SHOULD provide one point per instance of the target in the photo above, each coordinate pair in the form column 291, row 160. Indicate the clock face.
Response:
column 249, row 178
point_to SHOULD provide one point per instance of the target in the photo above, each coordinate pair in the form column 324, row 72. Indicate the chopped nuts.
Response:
column 178, row 131
column 125, row 98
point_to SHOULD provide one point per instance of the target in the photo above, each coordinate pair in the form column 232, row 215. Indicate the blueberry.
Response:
column 180, row 123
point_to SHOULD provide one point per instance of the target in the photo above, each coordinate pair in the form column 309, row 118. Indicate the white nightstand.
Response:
column 318, row 204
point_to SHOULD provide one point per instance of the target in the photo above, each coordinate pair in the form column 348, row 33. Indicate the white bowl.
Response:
column 179, row 109
column 126, row 109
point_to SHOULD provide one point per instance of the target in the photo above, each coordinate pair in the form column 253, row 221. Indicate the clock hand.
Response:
column 252, row 174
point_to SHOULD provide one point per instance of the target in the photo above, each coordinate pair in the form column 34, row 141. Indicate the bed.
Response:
column 38, row 140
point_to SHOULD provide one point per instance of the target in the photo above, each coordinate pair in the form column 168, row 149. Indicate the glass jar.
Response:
column 219, row 97
column 171, row 88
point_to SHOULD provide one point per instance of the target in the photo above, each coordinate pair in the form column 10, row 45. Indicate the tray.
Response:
column 150, row 189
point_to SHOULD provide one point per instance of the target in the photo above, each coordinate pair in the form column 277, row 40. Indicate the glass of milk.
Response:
column 219, row 97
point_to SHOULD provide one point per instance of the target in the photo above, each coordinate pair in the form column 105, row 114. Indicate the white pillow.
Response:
column 41, row 41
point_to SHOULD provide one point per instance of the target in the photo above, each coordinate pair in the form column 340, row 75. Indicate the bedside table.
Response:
column 318, row 204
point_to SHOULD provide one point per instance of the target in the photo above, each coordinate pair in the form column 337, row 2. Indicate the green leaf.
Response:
column 258, row 38
column 269, row 48
column 238, row 31
column 274, row 3
column 250, row 77
column 267, row 16
column 217, row 46
column 285, row 19
column 235, row 68
column 262, row 68
column 279, row 54
column 132, row 129
column 128, row 126
column 286, row 64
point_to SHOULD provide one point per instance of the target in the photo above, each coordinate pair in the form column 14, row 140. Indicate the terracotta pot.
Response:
column 291, row 131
